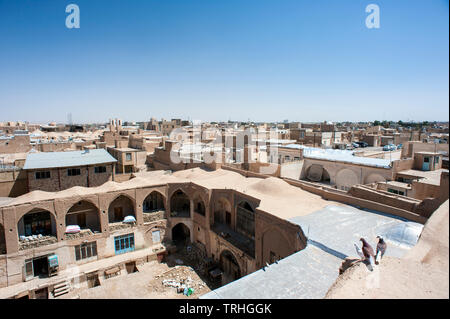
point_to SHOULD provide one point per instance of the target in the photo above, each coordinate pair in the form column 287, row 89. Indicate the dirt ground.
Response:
column 148, row 281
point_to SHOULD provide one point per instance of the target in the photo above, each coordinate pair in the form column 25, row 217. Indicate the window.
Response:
column 42, row 175
column 245, row 223
column 426, row 159
column 29, row 268
column 86, row 250
column 128, row 156
column 395, row 191
column 100, row 169
column 124, row 243
column 436, row 160
column 156, row 237
column 73, row 172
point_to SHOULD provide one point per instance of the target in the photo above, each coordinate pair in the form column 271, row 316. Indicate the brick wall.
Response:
column 71, row 181
column 63, row 181
column 47, row 184
column 97, row 179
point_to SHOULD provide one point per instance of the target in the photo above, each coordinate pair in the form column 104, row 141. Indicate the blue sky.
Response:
column 263, row 60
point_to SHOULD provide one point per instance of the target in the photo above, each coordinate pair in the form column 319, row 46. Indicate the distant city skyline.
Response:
column 263, row 60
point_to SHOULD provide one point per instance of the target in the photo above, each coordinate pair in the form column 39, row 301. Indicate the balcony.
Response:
column 34, row 241
column 154, row 215
column 83, row 233
column 119, row 225
column 180, row 214
column 238, row 240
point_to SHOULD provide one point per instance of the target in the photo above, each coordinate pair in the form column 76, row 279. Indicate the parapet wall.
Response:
column 343, row 197
column 386, row 198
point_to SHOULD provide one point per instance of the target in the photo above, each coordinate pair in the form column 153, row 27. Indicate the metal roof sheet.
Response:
column 67, row 159
column 309, row 273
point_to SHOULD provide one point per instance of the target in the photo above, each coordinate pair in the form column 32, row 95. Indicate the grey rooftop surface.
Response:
column 67, row 159
column 309, row 273
column 344, row 156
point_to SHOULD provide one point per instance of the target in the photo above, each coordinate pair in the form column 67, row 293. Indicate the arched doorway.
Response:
column 84, row 214
column 317, row 173
column 199, row 206
column 119, row 208
column 230, row 267
column 181, row 235
column 222, row 212
column 180, row 205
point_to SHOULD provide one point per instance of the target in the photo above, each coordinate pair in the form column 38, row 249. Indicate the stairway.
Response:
column 61, row 288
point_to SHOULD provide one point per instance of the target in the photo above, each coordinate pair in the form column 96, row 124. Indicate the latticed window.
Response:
column 245, row 222
column 42, row 175
column 86, row 250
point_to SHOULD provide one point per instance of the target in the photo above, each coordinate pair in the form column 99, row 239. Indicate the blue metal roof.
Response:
column 67, row 159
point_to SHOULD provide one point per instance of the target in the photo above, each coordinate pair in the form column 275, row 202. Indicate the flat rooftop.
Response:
column 340, row 156
column 67, row 159
column 429, row 177
column 276, row 196
column 309, row 273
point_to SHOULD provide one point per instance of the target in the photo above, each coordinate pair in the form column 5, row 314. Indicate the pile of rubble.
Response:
column 183, row 279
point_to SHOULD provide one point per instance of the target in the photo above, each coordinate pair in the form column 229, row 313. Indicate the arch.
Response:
column 373, row 178
column 120, row 207
column 2, row 240
column 84, row 214
column 275, row 245
column 317, row 173
column 38, row 207
column 155, row 201
column 222, row 212
column 346, row 178
column 230, row 267
column 181, row 234
column 37, row 222
column 199, row 205
column 180, row 205
column 245, row 219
